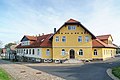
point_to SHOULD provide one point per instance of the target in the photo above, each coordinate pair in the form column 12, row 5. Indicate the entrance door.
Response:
column 72, row 54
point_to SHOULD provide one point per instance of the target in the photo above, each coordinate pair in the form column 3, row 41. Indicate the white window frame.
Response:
column 72, row 27
column 26, row 51
column 63, row 52
column 33, row 51
column 29, row 51
column 57, row 39
column 48, row 52
column 63, row 38
column 38, row 51
column 79, row 38
column 86, row 38
column 95, row 52
column 24, row 43
column 81, row 52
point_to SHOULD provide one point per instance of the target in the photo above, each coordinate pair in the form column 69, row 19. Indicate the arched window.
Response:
column 48, row 52
column 63, row 52
column 80, row 52
column 95, row 52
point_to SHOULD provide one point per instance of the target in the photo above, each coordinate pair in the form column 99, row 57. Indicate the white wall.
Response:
column 36, row 55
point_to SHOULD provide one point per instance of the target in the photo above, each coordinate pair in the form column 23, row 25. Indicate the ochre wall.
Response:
column 108, row 52
column 99, row 53
column 44, row 56
column 72, row 43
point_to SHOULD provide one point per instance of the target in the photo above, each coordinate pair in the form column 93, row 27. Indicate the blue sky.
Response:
column 33, row 17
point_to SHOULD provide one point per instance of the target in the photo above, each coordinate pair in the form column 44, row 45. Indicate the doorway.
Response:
column 72, row 54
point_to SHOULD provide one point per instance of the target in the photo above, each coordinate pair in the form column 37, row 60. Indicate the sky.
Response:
column 34, row 17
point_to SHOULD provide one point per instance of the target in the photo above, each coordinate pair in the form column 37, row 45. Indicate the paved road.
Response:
column 92, row 71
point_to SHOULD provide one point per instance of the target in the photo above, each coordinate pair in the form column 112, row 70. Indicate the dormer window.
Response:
column 24, row 43
column 71, row 27
column 42, row 40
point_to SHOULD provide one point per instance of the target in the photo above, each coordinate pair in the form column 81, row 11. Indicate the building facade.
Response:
column 71, row 41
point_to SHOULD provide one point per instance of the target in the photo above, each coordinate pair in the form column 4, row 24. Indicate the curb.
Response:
column 109, row 72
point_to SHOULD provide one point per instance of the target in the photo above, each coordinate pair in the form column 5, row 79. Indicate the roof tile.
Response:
column 41, row 41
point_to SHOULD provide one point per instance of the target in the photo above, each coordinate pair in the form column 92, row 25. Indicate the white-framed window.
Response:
column 38, row 51
column 63, row 38
column 80, row 52
column 25, row 43
column 86, row 38
column 63, row 52
column 29, row 51
column 95, row 52
column 79, row 38
column 48, row 52
column 57, row 39
column 26, row 51
column 33, row 51
column 71, row 27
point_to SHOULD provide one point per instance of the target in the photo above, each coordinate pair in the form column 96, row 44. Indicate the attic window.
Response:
column 42, row 40
column 71, row 27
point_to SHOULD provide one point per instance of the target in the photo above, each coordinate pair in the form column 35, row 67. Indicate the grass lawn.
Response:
column 4, row 75
column 116, row 72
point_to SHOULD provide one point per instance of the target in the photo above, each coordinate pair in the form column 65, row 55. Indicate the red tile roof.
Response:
column 4, row 50
column 96, row 43
column 31, row 37
column 103, row 37
column 41, row 41
column 72, row 21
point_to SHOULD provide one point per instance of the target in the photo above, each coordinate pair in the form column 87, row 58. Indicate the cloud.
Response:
column 105, row 19
column 32, row 17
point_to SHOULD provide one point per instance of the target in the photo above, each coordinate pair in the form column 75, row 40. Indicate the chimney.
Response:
column 54, row 30
column 39, row 34
column 42, row 33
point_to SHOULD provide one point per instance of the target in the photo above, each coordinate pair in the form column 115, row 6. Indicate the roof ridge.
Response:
column 104, row 35
column 72, row 21
column 98, row 40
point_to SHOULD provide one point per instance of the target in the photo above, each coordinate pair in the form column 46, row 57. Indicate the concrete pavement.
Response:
column 89, row 71
column 22, row 72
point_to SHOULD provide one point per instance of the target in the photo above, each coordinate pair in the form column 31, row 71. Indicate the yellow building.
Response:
column 71, row 41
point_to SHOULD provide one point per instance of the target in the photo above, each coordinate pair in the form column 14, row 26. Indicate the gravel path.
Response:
column 22, row 72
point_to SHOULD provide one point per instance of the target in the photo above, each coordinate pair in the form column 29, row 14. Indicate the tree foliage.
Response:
column 9, row 44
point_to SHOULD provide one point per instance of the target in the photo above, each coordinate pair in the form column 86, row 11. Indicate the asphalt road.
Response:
column 91, row 71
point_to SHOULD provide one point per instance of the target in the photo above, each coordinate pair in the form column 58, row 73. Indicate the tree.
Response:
column 1, row 46
column 9, row 44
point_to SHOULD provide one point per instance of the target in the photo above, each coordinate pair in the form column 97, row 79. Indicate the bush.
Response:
column 116, row 72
